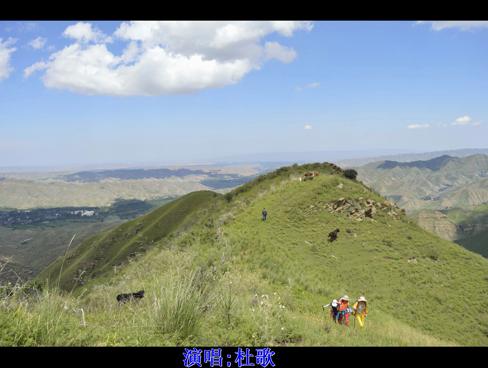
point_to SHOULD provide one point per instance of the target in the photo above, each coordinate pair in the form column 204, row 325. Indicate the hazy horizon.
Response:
column 251, row 158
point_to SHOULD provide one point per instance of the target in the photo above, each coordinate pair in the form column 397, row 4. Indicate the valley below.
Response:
column 41, row 211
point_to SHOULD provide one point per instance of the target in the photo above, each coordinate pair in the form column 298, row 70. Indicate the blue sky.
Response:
column 190, row 93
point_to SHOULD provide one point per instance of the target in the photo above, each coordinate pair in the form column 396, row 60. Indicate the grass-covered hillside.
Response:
column 101, row 254
column 228, row 278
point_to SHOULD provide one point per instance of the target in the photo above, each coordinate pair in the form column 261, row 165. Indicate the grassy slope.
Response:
column 99, row 254
column 231, row 279
column 374, row 263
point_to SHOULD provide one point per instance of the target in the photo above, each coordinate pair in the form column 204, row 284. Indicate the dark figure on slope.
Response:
column 333, row 235
column 264, row 214
column 122, row 298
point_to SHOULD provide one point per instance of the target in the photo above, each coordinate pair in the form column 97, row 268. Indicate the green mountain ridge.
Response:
column 433, row 164
column 215, row 274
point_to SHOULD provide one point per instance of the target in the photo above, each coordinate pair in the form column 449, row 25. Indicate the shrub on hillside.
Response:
column 228, row 196
column 351, row 174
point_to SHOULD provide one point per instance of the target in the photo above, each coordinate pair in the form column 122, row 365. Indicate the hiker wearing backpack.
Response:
column 265, row 214
column 344, row 310
column 360, row 310
column 334, row 309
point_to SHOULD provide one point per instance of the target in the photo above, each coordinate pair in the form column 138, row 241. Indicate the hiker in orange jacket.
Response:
column 344, row 310
column 360, row 310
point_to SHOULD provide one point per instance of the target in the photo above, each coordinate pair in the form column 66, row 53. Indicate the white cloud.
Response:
column 462, row 120
column 307, row 127
column 34, row 67
column 164, row 57
column 276, row 51
column 461, row 25
column 465, row 121
column 95, row 70
column 286, row 28
column 38, row 43
column 418, row 126
column 84, row 32
column 6, row 51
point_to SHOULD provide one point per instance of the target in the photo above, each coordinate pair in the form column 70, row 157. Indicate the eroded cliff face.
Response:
column 438, row 223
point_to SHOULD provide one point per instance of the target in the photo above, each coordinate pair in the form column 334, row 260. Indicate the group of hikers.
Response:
column 340, row 310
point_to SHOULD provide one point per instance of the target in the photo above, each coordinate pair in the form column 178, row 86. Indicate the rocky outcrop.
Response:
column 360, row 208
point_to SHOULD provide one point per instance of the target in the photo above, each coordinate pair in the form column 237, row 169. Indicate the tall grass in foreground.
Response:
column 46, row 318
column 178, row 306
column 171, row 314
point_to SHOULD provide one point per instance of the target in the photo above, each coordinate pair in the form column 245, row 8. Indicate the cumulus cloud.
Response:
column 418, row 126
column 6, row 51
column 164, row 57
column 85, row 32
column 38, row 43
column 307, row 127
column 461, row 25
column 95, row 70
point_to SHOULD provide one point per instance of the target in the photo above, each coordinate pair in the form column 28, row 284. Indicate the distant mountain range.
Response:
column 445, row 195
column 439, row 183
column 408, row 157
column 432, row 164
